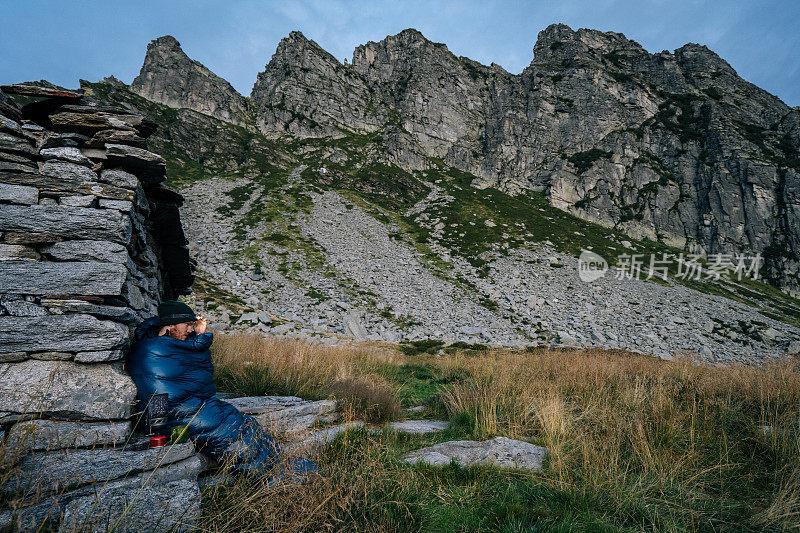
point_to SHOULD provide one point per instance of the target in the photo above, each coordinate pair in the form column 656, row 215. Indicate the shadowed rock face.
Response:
column 169, row 77
column 674, row 147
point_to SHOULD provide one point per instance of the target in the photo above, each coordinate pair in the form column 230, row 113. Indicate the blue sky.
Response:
column 62, row 41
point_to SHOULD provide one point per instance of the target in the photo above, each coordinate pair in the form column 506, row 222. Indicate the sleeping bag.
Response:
column 183, row 370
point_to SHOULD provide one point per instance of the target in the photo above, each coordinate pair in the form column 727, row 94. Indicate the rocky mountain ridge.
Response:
column 672, row 147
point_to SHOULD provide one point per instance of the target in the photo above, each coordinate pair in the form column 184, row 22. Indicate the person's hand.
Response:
column 200, row 325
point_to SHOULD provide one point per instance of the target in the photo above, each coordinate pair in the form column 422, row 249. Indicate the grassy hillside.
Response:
column 635, row 443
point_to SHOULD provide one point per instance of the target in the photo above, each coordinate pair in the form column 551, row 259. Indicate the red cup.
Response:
column 157, row 442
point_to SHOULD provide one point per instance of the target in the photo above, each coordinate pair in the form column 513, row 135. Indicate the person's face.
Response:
column 180, row 331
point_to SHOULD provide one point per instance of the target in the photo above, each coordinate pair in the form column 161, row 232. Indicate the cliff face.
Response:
column 305, row 91
column 169, row 77
column 673, row 147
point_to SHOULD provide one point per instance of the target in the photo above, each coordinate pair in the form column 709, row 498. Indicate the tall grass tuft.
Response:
column 254, row 366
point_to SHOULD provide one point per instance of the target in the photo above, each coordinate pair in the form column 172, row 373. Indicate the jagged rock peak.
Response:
column 301, row 75
column 558, row 42
column 699, row 58
column 407, row 42
column 297, row 47
column 411, row 35
column 112, row 80
column 400, row 54
column 295, row 56
column 166, row 42
column 170, row 77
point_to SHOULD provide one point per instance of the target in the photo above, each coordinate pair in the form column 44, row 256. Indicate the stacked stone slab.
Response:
column 90, row 241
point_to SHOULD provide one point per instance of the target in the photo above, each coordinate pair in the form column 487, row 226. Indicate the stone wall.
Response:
column 90, row 241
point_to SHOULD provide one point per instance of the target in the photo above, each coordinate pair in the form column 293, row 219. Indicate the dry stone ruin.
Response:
column 90, row 241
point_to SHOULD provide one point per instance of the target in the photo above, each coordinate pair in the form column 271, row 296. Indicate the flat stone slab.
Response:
column 68, row 222
column 256, row 405
column 499, row 451
column 170, row 505
column 320, row 438
column 53, row 471
column 35, row 90
column 419, row 426
column 44, row 435
column 61, row 333
column 19, row 194
column 103, row 251
column 85, row 278
column 149, row 167
column 284, row 414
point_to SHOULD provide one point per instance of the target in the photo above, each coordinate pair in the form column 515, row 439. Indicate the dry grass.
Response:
column 254, row 366
column 634, row 443
column 615, row 420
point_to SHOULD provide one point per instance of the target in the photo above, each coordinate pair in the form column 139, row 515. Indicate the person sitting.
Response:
column 171, row 355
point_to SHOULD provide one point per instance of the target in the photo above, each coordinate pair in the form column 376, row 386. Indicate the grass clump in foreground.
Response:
column 255, row 366
column 635, row 443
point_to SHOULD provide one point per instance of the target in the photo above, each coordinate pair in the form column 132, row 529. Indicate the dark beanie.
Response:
column 174, row 312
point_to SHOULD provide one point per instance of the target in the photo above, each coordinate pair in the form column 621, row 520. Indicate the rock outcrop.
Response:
column 90, row 241
column 299, row 77
column 499, row 451
column 674, row 147
column 169, row 77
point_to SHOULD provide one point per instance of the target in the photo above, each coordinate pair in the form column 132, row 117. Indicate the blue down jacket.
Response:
column 184, row 371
